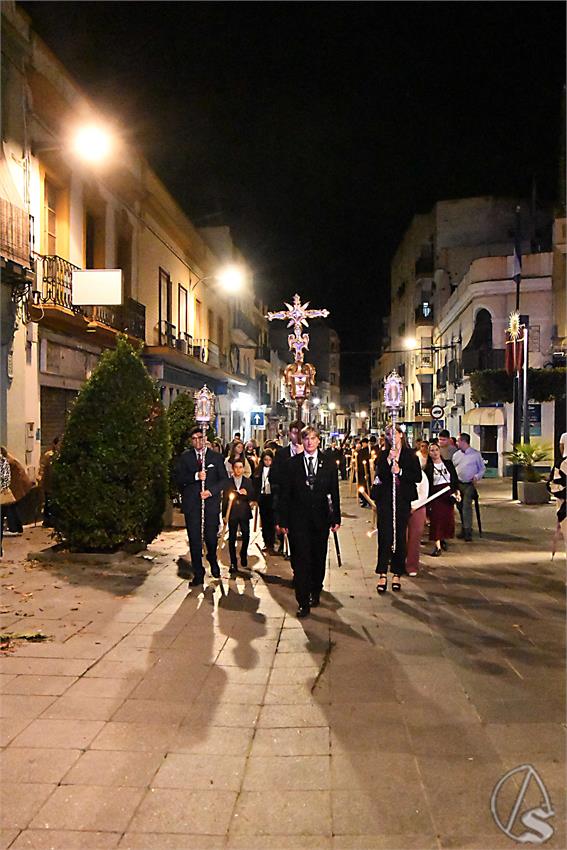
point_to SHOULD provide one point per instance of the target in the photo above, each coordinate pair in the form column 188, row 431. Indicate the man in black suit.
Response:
column 278, row 472
column 309, row 506
column 363, row 470
column 240, row 513
column 194, row 466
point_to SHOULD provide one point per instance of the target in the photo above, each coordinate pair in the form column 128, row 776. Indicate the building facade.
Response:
column 60, row 213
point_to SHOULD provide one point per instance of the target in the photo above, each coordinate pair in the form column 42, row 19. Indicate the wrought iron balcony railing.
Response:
column 167, row 334
column 57, row 282
column 263, row 353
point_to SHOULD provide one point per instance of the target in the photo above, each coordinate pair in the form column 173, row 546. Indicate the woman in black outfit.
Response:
column 265, row 499
column 400, row 463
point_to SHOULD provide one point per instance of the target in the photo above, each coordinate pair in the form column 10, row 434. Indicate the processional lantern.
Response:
column 204, row 414
column 299, row 376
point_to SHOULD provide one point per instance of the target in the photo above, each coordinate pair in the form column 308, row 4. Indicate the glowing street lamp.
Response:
column 92, row 143
column 409, row 342
column 230, row 278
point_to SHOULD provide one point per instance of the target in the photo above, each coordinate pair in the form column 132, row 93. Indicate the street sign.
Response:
column 437, row 425
column 437, row 411
column 257, row 420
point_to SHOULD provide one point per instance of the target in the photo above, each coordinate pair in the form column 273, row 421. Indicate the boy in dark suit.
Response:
column 240, row 513
column 309, row 507
column 196, row 465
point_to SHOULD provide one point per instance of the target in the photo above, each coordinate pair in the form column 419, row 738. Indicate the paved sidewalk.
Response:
column 154, row 717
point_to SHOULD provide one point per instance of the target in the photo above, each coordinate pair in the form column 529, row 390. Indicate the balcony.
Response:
column 207, row 352
column 424, row 314
column 263, row 354
column 16, row 228
column 424, row 266
column 422, row 409
column 243, row 326
column 167, row 334
column 424, row 360
column 57, row 291
column 477, row 361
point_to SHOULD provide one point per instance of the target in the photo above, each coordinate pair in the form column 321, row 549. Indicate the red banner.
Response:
column 514, row 361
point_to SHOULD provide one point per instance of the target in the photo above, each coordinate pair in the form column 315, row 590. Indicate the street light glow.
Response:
column 316, row 401
column 363, row 414
column 92, row 143
column 332, row 405
column 231, row 278
column 410, row 342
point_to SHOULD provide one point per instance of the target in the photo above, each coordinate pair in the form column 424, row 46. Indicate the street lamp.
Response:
column 409, row 343
column 92, row 143
column 229, row 278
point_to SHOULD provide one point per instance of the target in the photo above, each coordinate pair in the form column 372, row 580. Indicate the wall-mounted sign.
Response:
column 437, row 411
column 97, row 287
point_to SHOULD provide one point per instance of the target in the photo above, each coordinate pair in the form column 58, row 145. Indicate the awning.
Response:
column 484, row 416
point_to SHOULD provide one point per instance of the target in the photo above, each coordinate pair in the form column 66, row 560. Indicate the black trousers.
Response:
column 233, row 526
column 308, row 560
column 266, row 503
column 193, row 525
column 397, row 559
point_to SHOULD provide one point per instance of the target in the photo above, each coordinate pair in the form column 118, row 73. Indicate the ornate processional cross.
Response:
column 296, row 316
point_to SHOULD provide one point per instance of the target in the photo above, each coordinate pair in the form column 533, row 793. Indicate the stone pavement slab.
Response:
column 160, row 717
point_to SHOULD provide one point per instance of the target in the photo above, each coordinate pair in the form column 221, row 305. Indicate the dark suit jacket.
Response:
column 300, row 506
column 241, row 505
column 410, row 476
column 278, row 470
column 363, row 455
column 453, row 477
column 186, row 466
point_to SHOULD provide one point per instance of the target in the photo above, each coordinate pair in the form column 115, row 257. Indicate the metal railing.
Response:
column 57, row 282
column 167, row 333
column 263, row 353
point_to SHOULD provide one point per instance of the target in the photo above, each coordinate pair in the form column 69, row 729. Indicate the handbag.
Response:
column 7, row 497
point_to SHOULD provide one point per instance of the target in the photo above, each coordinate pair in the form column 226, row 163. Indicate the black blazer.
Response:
column 453, row 477
column 257, row 481
column 410, row 476
column 300, row 506
column 278, row 470
column 185, row 468
column 241, row 505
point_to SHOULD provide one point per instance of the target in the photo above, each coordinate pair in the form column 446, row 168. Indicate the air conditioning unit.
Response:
column 181, row 345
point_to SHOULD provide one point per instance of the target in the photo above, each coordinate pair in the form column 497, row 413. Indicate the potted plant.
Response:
column 531, row 486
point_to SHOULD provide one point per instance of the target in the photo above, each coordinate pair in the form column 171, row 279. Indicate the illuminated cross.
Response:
column 296, row 316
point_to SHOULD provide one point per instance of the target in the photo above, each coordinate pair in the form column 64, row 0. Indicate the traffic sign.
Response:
column 258, row 420
column 437, row 411
column 437, row 425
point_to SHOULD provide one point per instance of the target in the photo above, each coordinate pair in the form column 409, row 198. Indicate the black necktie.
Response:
column 310, row 473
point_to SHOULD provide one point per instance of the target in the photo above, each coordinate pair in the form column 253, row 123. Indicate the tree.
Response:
column 181, row 418
column 110, row 479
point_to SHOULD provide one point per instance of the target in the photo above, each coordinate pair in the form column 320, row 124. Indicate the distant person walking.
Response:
column 446, row 446
column 265, row 499
column 470, row 468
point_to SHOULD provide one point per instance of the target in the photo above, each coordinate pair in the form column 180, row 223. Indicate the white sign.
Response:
column 437, row 411
column 97, row 287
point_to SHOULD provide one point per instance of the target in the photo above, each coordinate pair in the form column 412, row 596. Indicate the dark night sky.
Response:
column 317, row 130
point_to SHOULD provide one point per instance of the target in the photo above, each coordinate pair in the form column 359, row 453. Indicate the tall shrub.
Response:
column 181, row 418
column 110, row 479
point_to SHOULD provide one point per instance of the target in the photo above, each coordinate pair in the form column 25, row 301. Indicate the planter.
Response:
column 533, row 492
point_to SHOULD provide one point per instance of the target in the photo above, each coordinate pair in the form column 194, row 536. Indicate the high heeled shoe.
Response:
column 382, row 585
column 396, row 584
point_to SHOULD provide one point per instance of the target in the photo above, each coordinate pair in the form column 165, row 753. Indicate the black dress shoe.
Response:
column 303, row 611
column 461, row 535
column 215, row 571
column 444, row 545
column 436, row 552
column 315, row 600
column 244, row 563
column 468, row 538
column 196, row 581
column 233, row 569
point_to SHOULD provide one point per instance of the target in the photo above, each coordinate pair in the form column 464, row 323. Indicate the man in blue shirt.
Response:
column 469, row 465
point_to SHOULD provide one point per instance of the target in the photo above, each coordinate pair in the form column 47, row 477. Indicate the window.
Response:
column 210, row 325
column 182, row 310
column 50, row 198
column 198, row 318
column 220, row 335
column 165, row 324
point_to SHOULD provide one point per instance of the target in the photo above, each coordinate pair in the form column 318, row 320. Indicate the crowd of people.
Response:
column 294, row 492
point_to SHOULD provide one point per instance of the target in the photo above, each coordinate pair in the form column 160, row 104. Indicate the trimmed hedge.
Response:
column 110, row 478
column 495, row 385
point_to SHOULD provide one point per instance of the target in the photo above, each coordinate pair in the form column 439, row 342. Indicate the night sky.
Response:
column 317, row 130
